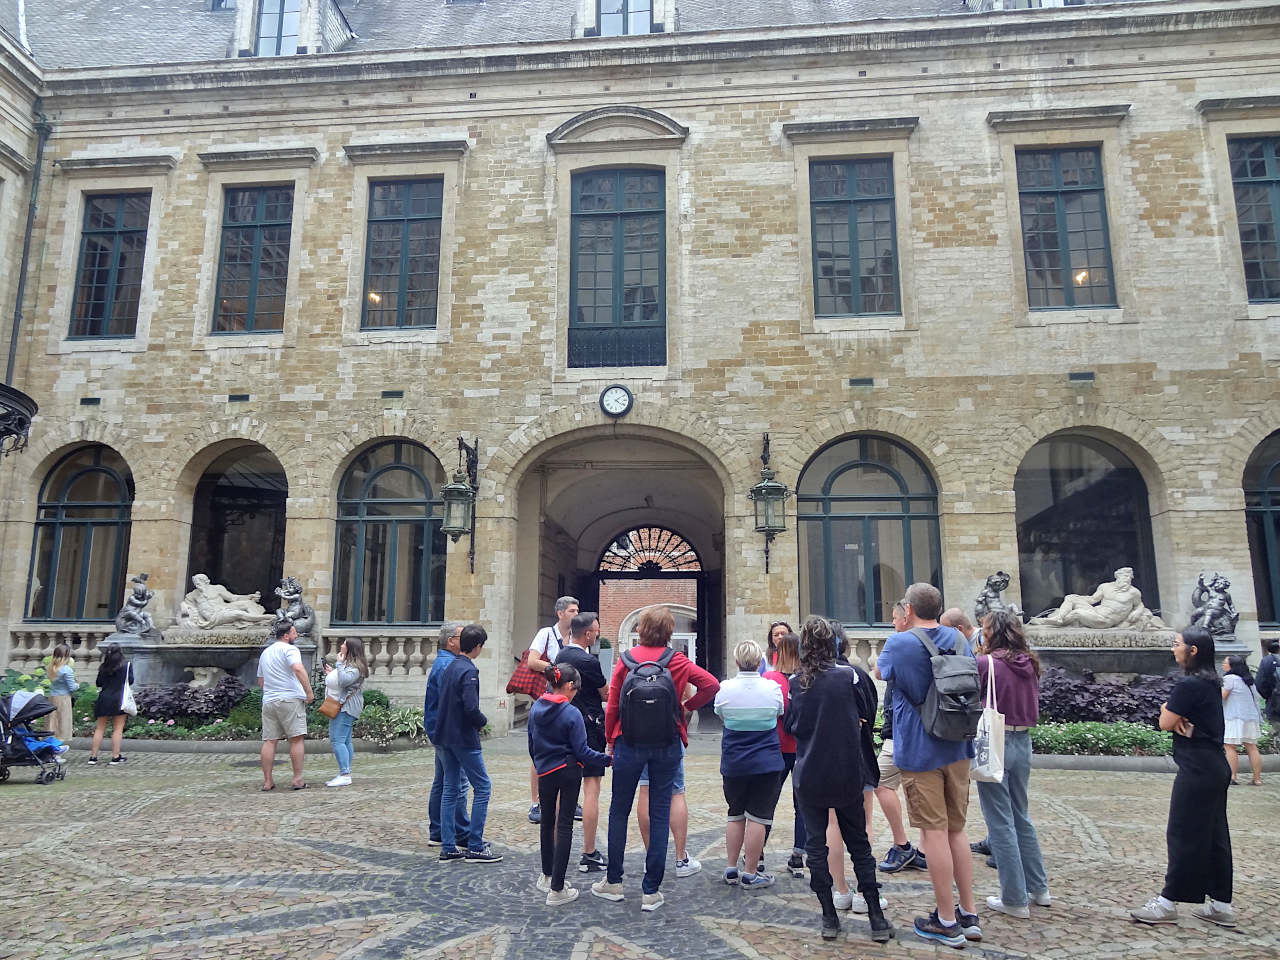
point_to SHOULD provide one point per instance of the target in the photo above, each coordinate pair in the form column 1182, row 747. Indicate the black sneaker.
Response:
column 92, row 761
column 981, row 846
column 117, row 760
column 830, row 926
column 968, row 924
column 920, row 862
column 577, row 814
column 452, row 856
column 593, row 862
column 484, row 855
column 931, row 928
column 795, row 863
column 535, row 813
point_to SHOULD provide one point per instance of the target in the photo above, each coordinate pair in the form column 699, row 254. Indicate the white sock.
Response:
column 947, row 923
column 1221, row 906
column 1167, row 904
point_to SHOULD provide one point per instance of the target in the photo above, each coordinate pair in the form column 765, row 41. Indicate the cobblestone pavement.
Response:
column 180, row 856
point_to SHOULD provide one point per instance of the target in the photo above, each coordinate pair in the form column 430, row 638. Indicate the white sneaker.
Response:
column 1041, row 898
column 652, row 901
column 859, row 903
column 341, row 780
column 606, row 890
column 556, row 897
column 1207, row 911
column 1155, row 912
column 843, row 901
column 999, row 906
column 687, row 867
column 544, row 883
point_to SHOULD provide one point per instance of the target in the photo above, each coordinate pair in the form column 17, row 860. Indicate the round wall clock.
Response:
column 616, row 400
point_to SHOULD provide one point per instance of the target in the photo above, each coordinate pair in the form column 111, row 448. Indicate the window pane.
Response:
column 100, row 585
column 846, row 586
column 38, row 589
column 1256, row 172
column 854, row 242
column 890, row 574
column 813, row 581
column 409, row 600
column 377, row 537
column 344, row 573
column 72, row 548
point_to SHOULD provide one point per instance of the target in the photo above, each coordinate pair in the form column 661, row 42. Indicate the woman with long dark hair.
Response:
column 777, row 630
column 1197, row 836
column 786, row 662
column 344, row 682
column 829, row 773
column 1008, row 666
column 112, row 675
column 1242, row 717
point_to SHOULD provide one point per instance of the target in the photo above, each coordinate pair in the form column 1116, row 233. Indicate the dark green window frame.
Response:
column 1065, row 238
column 402, row 253
column 113, row 242
column 621, row 18
column 918, row 506
column 367, row 522
column 57, row 514
column 1262, row 519
column 854, row 231
column 277, row 33
column 618, row 269
column 1255, row 179
column 253, row 265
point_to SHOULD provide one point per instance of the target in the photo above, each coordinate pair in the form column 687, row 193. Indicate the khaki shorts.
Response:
column 938, row 799
column 890, row 775
column 284, row 719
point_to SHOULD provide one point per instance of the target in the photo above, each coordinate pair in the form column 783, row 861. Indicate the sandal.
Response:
column 265, row 788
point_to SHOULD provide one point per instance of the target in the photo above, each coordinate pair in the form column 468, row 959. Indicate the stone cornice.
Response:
column 400, row 152
column 1237, row 108
column 1063, row 118
column 117, row 166
column 845, row 131
column 260, row 159
column 619, row 127
column 14, row 160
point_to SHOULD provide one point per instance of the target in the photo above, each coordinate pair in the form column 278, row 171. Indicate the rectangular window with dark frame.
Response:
column 854, row 236
column 617, row 308
column 278, row 27
column 253, row 267
column 1064, row 229
column 1255, row 176
column 113, row 242
column 619, row 18
column 402, row 255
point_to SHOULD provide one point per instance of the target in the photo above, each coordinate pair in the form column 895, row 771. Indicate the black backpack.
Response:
column 1269, row 674
column 648, row 704
column 953, row 704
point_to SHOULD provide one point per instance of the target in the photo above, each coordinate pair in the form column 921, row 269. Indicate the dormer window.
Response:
column 619, row 18
column 278, row 28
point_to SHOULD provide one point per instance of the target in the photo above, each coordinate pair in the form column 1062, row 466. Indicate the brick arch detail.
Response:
column 175, row 471
column 326, row 469
column 57, row 439
column 1243, row 442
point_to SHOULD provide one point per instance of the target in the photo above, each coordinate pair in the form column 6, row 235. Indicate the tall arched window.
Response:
column 1082, row 512
column 390, row 555
column 1262, row 514
column 82, row 537
column 867, row 517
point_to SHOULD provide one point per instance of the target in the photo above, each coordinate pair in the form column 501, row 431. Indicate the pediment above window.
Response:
column 617, row 128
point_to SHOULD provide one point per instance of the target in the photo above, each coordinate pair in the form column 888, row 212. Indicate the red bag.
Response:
column 526, row 681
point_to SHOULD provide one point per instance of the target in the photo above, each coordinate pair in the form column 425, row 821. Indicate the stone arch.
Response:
column 1243, row 442
column 330, row 462
column 189, row 456
column 55, row 442
column 633, row 125
column 629, row 622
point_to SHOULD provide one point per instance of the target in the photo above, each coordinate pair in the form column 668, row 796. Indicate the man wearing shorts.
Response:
column 286, row 691
column 902, row 853
column 935, row 773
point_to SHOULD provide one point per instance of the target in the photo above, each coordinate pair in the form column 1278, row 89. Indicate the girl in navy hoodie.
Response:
column 558, row 747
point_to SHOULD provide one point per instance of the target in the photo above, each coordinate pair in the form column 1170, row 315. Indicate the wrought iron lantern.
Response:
column 459, row 496
column 16, row 413
column 770, row 498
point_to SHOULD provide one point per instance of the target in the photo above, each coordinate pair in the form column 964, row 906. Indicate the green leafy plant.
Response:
column 1095, row 738
column 14, row 680
column 246, row 714
column 376, row 698
column 383, row 725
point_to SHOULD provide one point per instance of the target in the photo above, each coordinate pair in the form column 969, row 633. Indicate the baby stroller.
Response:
column 20, row 746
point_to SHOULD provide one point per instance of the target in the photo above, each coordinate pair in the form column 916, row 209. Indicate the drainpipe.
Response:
column 43, row 129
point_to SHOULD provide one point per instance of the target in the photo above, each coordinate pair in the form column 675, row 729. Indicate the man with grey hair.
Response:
column 543, row 651
column 448, row 650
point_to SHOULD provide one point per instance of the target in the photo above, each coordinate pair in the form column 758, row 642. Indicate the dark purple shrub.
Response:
column 180, row 702
column 1065, row 698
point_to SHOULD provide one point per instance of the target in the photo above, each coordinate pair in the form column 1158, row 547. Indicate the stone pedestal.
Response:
column 1116, row 652
column 169, row 659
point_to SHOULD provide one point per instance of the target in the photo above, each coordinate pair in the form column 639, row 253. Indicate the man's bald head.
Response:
column 955, row 617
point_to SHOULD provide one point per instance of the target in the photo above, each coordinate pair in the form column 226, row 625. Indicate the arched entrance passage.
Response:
column 645, row 566
column 586, row 490
column 237, row 522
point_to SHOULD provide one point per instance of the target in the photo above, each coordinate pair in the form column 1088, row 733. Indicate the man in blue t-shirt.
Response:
column 935, row 773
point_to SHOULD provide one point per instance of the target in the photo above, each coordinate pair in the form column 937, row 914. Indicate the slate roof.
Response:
column 94, row 33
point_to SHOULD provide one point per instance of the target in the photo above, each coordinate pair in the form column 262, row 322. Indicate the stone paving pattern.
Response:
column 180, row 856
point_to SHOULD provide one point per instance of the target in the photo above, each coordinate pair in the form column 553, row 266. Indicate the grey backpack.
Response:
column 953, row 704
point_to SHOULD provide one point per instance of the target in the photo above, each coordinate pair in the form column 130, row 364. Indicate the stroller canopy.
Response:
column 23, row 707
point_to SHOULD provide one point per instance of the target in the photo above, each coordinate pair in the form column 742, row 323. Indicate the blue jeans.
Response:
column 463, row 831
column 340, row 737
column 628, row 763
column 463, row 763
column 1010, row 832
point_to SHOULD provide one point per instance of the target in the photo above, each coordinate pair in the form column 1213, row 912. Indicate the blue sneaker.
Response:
column 755, row 881
column 897, row 858
column 931, row 928
column 919, row 863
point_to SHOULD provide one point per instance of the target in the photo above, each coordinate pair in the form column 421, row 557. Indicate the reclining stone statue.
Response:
column 1113, row 606
column 211, row 605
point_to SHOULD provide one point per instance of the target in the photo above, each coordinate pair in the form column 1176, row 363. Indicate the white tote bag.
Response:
column 987, row 765
column 128, row 705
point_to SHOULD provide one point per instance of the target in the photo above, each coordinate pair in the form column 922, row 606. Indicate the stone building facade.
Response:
column 940, row 358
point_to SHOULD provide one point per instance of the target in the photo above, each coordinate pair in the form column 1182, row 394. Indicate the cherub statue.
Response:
column 293, row 607
column 211, row 605
column 133, row 618
column 1213, row 607
column 989, row 599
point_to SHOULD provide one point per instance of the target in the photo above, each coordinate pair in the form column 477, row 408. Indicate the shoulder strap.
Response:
column 919, row 634
column 630, row 661
column 665, row 659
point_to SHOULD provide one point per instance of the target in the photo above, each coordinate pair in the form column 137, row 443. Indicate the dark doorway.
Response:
column 237, row 523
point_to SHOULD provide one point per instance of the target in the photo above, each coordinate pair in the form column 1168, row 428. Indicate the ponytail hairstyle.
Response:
column 561, row 673
column 61, row 657
column 1202, row 664
column 1239, row 666
column 817, row 650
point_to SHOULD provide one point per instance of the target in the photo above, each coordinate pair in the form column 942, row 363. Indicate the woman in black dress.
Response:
column 111, row 679
column 1198, row 838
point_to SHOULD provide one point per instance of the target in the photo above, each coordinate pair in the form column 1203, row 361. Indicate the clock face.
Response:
column 616, row 400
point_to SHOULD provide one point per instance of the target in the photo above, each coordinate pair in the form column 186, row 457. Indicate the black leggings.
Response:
column 558, row 797
column 851, row 818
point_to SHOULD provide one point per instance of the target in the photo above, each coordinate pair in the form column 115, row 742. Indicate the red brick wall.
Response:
column 619, row 597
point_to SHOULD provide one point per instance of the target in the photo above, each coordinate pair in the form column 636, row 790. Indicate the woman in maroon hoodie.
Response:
column 1005, row 660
